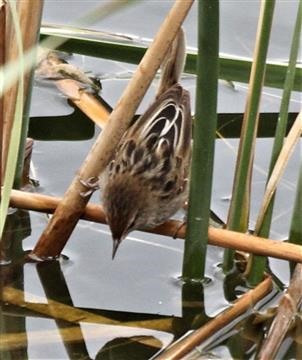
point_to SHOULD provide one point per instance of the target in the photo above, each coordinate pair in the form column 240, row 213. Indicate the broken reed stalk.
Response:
column 85, row 101
column 217, row 237
column 89, row 103
column 179, row 349
column 286, row 311
column 67, row 214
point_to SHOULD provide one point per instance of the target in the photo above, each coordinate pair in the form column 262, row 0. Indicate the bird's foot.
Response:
column 92, row 184
column 184, row 220
column 183, row 223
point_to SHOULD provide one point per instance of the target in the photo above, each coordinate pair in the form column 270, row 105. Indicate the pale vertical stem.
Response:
column 60, row 227
column 2, row 59
column 9, row 98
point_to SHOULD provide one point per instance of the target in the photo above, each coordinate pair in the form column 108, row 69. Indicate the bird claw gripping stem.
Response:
column 92, row 184
column 183, row 223
column 184, row 220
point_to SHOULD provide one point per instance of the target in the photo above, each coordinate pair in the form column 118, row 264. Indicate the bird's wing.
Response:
column 166, row 124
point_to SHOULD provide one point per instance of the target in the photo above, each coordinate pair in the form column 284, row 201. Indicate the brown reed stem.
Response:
column 29, row 18
column 243, row 304
column 286, row 311
column 67, row 214
column 218, row 237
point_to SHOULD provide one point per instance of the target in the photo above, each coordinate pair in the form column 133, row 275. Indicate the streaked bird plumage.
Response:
column 146, row 181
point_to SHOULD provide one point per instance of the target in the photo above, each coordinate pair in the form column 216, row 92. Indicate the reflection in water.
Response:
column 34, row 325
column 27, row 328
column 132, row 348
column 17, row 227
column 55, row 287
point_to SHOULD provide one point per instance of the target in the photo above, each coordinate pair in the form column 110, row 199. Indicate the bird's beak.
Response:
column 116, row 244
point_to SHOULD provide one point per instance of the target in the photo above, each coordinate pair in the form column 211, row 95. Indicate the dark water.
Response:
column 86, row 306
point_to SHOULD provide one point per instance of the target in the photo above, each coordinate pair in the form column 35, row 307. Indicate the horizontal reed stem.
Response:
column 217, row 237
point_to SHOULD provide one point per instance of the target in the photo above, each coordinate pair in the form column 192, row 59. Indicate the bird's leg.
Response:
column 183, row 223
column 184, row 220
column 92, row 184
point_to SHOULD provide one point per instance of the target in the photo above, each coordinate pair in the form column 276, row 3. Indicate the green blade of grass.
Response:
column 204, row 140
column 240, row 203
column 257, row 262
column 230, row 69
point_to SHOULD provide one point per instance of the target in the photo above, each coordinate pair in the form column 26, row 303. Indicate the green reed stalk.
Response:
column 295, row 234
column 257, row 262
column 239, row 208
column 204, row 140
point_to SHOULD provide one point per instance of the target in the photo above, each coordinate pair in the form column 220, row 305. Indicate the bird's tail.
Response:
column 173, row 64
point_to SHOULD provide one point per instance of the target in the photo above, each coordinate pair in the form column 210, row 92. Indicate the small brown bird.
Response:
column 146, row 181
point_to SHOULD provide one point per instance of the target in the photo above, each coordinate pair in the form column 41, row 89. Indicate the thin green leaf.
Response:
column 295, row 234
column 240, row 204
column 257, row 264
column 131, row 50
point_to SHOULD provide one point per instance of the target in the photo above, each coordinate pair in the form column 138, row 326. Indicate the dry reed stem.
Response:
column 67, row 214
column 243, row 304
column 280, row 165
column 286, row 311
column 217, row 237
column 60, row 311
column 30, row 17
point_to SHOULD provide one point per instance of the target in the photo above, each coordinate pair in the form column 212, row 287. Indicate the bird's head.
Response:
column 122, row 210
